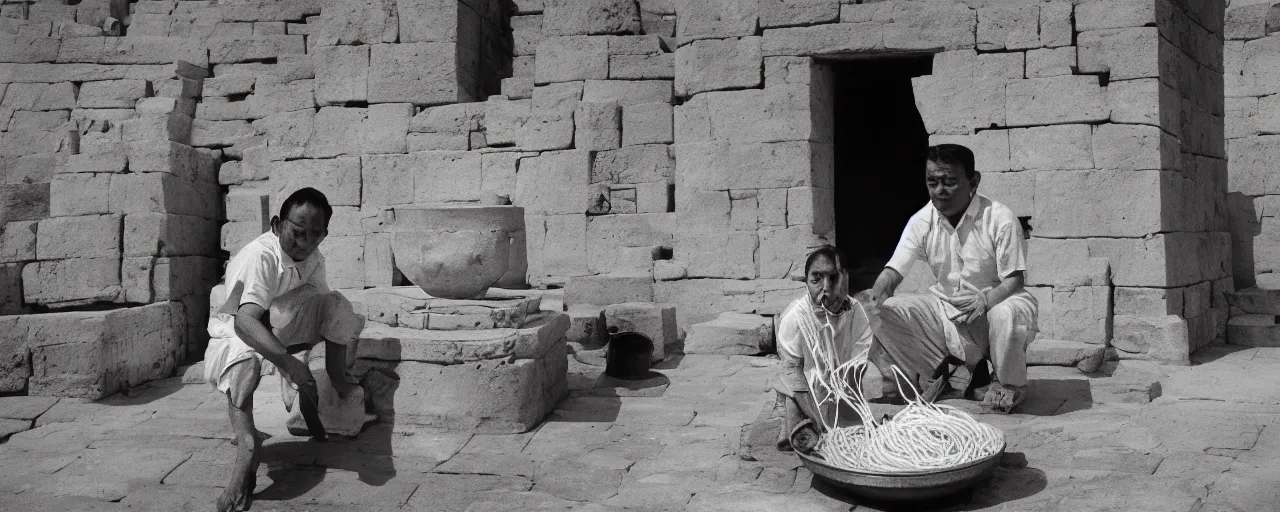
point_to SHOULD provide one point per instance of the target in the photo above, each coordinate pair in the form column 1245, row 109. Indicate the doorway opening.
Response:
column 880, row 145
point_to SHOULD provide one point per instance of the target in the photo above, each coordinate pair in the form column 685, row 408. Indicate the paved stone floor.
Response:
column 1208, row 444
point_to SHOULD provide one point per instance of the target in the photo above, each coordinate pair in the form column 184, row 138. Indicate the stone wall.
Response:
column 681, row 151
column 1252, row 117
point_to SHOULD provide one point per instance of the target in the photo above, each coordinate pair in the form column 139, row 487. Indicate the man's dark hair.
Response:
column 953, row 154
column 827, row 251
column 309, row 196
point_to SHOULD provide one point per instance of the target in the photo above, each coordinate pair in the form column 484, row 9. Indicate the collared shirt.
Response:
column 985, row 247
column 261, row 271
column 842, row 337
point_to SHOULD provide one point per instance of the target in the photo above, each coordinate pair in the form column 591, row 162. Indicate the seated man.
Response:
column 278, row 304
column 825, row 318
column 978, row 307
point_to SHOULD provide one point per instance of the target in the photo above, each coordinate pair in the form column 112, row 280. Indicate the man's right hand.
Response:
column 883, row 287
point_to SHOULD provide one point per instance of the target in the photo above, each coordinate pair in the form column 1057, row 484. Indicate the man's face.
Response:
column 823, row 281
column 302, row 231
column 949, row 190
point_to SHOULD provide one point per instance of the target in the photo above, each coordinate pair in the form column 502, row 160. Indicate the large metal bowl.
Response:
column 906, row 486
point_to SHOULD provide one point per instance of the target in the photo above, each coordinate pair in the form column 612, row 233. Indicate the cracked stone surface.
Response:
column 1209, row 442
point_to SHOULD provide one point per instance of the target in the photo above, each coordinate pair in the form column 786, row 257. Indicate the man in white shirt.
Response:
column 817, row 332
column 978, row 308
column 277, row 307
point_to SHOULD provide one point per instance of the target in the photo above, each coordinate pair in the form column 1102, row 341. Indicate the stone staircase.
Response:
column 1253, row 315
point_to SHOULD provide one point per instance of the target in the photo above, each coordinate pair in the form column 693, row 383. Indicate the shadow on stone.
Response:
column 587, row 409
column 1052, row 397
column 1215, row 352
column 145, row 393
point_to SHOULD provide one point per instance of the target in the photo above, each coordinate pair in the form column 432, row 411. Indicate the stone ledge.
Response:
column 384, row 343
column 1086, row 357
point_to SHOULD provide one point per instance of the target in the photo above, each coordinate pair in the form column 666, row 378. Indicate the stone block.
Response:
column 452, row 21
column 990, row 149
column 178, row 160
column 1171, row 259
column 838, row 38
column 338, row 178
column 709, row 65
column 1253, row 330
column 348, row 22
column 1133, row 147
column 261, row 10
column 111, row 93
column 1163, row 338
column 811, row 206
column 657, row 321
column 1051, row 148
column 557, row 247
column 385, row 129
column 92, row 354
column 175, row 127
column 40, row 96
column 72, row 282
column 634, row 164
column 1011, row 26
column 387, row 180
column 342, row 74
column 526, row 31
column 29, row 49
column 587, row 326
column 597, row 126
column 110, row 162
column 87, row 236
column 1055, row 100
column 782, row 250
column 627, row 92
column 18, row 242
column 970, row 64
column 219, row 134
column 1051, row 62
column 1250, row 165
column 929, row 25
column 164, row 235
column 518, row 88
column 166, row 105
column 38, row 121
column 1138, row 102
column 1100, row 14
column 337, row 132
column 163, row 193
column 15, row 366
column 1049, row 352
column 1123, row 54
column 66, row 194
column 727, row 166
column 417, row 73
column 446, row 176
column 604, row 290
column 770, row 115
column 232, row 85
column 647, row 123
column 498, row 172
column 1015, row 190
column 1083, row 314
column 570, row 58
column 953, row 106
column 627, row 243
column 549, row 183
column 1148, row 301
column 1116, row 205
column 730, row 334
column 1064, row 263
column 790, row 13
column 707, row 19
column 491, row 396
column 344, row 260
column 590, row 17
column 652, row 66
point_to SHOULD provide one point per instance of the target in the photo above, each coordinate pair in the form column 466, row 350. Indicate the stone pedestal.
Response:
column 498, row 364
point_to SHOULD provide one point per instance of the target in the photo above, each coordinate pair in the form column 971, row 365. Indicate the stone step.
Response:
column 1254, row 301
column 1253, row 330
column 1087, row 357
column 730, row 334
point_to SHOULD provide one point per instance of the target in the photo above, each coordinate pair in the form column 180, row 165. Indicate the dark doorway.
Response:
column 880, row 146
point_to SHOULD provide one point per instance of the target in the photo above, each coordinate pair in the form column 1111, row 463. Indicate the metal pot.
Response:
column 628, row 355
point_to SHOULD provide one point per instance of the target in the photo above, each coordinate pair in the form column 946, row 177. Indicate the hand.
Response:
column 880, row 291
column 972, row 305
column 300, row 375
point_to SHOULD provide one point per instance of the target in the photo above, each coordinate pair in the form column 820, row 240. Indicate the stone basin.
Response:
column 454, row 251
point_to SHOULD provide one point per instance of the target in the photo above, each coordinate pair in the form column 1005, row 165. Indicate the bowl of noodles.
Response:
column 900, row 484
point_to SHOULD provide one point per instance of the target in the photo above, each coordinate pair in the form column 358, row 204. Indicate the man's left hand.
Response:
column 972, row 305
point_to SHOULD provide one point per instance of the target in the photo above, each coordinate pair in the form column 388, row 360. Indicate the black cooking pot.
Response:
column 628, row 355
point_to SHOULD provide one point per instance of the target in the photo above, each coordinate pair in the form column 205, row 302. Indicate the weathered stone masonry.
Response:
column 677, row 152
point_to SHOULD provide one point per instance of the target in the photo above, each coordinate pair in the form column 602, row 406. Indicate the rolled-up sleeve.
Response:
column 1011, row 251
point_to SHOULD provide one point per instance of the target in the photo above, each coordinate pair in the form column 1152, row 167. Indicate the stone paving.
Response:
column 705, row 444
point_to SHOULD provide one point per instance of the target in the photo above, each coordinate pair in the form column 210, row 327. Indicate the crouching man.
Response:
column 278, row 307
column 817, row 332
column 978, row 308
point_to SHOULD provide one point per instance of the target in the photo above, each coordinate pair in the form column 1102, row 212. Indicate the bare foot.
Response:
column 230, row 501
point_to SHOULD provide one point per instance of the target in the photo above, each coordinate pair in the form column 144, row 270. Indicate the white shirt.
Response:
column 261, row 271
column 985, row 247
column 848, row 337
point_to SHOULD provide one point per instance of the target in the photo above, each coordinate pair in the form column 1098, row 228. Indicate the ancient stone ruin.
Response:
column 674, row 161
